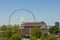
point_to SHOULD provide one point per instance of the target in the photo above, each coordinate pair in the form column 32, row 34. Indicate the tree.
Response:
column 16, row 28
column 36, row 31
column 52, row 37
column 4, row 27
column 16, row 37
column 49, row 37
column 8, row 32
column 59, row 30
column 53, row 30
column 45, row 37
column 11, row 32
column 33, row 38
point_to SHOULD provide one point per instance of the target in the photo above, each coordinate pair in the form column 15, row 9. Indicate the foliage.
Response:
column 53, row 30
column 4, row 27
column 11, row 33
column 33, row 38
column 49, row 37
column 52, row 37
column 59, row 38
column 16, row 37
column 9, row 28
column 36, row 31
column 59, row 30
column 16, row 28
column 8, row 33
column 45, row 37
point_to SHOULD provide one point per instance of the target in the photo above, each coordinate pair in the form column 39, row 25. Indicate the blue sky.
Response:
column 44, row 10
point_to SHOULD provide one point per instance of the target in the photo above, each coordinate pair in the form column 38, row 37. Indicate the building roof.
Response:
column 34, row 24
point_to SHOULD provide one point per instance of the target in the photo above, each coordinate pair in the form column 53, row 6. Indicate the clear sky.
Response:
column 44, row 10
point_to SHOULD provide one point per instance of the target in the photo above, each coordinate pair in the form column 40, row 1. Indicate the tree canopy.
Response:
column 53, row 29
column 36, row 31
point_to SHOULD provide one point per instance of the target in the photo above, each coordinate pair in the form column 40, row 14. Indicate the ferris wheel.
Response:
column 22, row 9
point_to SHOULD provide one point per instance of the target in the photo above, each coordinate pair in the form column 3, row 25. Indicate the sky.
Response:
column 43, row 10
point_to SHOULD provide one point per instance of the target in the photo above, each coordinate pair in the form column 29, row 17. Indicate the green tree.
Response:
column 8, row 32
column 16, row 37
column 4, row 27
column 59, row 38
column 45, row 37
column 59, row 30
column 52, row 37
column 11, row 32
column 53, row 30
column 16, row 28
column 36, row 31
column 33, row 38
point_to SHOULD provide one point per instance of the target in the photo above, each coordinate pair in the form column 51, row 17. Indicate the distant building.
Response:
column 27, row 26
column 57, row 24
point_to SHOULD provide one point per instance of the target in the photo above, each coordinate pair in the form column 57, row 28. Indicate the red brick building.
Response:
column 27, row 26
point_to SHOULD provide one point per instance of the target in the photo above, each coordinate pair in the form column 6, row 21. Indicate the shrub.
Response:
column 16, row 37
column 36, row 31
column 33, row 38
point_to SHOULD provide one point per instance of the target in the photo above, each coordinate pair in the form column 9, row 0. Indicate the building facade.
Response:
column 57, row 24
column 27, row 27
